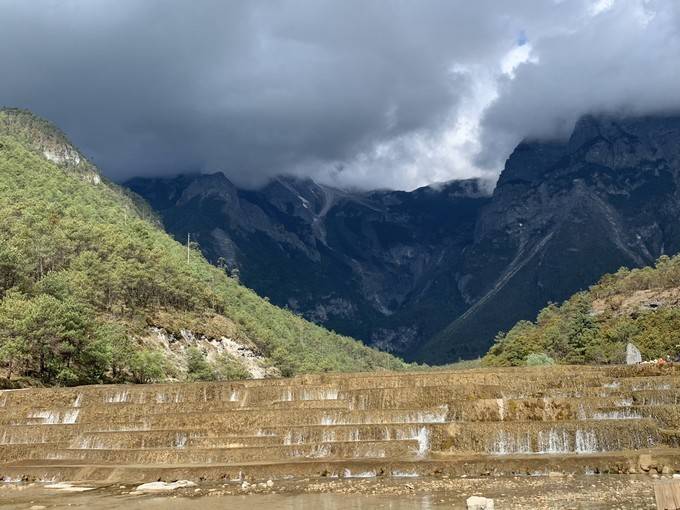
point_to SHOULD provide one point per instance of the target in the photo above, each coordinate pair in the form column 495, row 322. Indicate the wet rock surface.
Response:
column 604, row 492
column 344, row 431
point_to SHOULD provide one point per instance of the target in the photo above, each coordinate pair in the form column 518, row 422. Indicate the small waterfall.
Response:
column 78, row 401
column 329, row 420
column 554, row 442
column 234, row 396
column 625, row 414
column 320, row 451
column 375, row 453
column 319, row 394
column 173, row 398
column 404, row 474
column 364, row 474
column 358, row 402
column 55, row 417
column 586, row 441
column 47, row 417
column 180, row 440
column 286, row 395
column 648, row 385
column 387, row 434
column 70, row 417
column 508, row 444
column 582, row 412
column 22, row 439
column 353, row 435
column 117, row 398
column 438, row 416
column 502, row 408
column 293, row 438
column 88, row 443
column 328, row 436
column 423, row 438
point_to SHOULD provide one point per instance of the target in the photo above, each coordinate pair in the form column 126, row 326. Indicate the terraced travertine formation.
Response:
column 502, row 421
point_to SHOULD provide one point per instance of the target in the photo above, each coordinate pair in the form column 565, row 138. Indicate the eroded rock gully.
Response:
column 477, row 422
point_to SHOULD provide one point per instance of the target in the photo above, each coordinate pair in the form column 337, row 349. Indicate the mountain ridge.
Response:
column 433, row 279
column 91, row 290
column 349, row 260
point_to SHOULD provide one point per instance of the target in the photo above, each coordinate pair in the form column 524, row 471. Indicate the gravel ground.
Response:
column 558, row 492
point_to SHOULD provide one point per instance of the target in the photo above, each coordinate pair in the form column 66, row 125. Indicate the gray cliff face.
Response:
column 435, row 273
column 49, row 142
column 372, row 265
column 562, row 215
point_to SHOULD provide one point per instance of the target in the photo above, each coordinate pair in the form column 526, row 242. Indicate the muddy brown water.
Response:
column 606, row 492
column 531, row 438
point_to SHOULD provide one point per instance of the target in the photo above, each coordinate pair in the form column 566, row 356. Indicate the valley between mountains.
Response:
column 435, row 274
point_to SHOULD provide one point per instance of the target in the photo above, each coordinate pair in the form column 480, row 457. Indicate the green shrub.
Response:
column 228, row 369
column 147, row 366
column 81, row 263
column 198, row 368
column 539, row 359
column 573, row 333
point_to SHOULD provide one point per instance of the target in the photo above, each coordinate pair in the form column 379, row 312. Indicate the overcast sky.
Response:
column 361, row 93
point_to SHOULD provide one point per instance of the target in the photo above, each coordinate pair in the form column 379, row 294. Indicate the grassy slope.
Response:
column 641, row 306
column 63, row 237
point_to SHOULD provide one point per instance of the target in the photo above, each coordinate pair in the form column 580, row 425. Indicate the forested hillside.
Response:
column 85, row 274
column 641, row 306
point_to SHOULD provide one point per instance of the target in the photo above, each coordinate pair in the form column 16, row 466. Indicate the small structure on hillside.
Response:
column 633, row 355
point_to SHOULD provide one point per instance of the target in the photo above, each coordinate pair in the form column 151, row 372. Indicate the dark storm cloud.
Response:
column 622, row 59
column 359, row 92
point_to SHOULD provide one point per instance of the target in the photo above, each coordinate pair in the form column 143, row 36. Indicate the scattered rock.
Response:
column 67, row 487
column 479, row 503
column 270, row 483
column 633, row 355
column 666, row 470
column 645, row 462
column 245, row 486
column 164, row 486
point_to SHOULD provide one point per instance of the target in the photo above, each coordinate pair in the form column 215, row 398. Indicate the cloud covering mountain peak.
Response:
column 354, row 93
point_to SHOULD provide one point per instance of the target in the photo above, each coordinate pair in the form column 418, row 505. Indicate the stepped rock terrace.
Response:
column 475, row 422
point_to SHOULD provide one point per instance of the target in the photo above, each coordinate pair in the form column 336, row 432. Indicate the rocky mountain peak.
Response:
column 47, row 140
column 433, row 274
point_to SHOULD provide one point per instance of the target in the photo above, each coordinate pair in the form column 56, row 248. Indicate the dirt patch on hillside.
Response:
column 637, row 301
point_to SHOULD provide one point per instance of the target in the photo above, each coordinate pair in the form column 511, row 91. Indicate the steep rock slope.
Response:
column 436, row 273
column 639, row 306
column 374, row 265
column 562, row 215
column 92, row 290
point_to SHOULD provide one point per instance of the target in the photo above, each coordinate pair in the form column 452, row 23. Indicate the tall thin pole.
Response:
column 188, row 245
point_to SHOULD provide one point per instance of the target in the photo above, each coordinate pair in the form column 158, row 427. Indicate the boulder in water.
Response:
column 479, row 503
column 633, row 355
column 163, row 486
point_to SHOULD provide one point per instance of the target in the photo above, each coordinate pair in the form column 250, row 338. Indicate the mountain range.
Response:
column 92, row 290
column 434, row 274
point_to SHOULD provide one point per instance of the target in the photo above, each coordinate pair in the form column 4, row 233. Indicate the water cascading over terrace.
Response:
column 504, row 421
